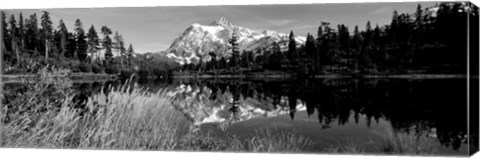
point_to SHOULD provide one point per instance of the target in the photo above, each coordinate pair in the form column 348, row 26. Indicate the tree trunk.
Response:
column 46, row 50
column 15, row 49
column 62, row 46
column 356, row 61
column 2, row 52
column 23, row 45
column 121, row 61
column 97, row 54
column 17, row 54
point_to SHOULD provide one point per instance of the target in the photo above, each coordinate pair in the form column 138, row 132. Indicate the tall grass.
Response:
column 264, row 140
column 414, row 143
column 391, row 142
column 122, row 119
column 45, row 115
column 275, row 140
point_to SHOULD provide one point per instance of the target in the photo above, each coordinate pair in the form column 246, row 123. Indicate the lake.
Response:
column 331, row 112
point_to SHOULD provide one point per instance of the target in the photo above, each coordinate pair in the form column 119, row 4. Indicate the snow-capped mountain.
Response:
column 198, row 40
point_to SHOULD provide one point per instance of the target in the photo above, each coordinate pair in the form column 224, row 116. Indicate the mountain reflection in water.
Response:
column 436, row 107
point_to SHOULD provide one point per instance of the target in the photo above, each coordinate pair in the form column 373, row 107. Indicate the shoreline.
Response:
column 73, row 76
column 108, row 77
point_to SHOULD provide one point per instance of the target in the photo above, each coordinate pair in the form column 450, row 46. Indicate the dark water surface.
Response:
column 331, row 112
column 335, row 111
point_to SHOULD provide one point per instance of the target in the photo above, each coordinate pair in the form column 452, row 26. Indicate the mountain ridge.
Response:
column 198, row 40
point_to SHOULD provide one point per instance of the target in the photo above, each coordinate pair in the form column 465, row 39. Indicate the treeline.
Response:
column 31, row 44
column 428, row 41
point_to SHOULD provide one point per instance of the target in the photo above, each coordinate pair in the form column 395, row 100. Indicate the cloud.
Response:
column 301, row 27
column 382, row 10
column 282, row 22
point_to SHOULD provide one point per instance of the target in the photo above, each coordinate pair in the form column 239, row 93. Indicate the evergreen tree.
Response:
column 310, row 46
column 13, row 39
column 222, row 63
column 419, row 17
column 356, row 40
column 234, row 60
column 367, row 39
column 378, row 56
column 292, row 47
column 3, row 18
column 343, row 37
column 366, row 47
column 419, row 26
column 81, row 50
column 376, row 33
column 119, row 46
column 46, row 32
column 327, row 44
column 3, row 23
column 319, row 32
column 63, row 38
column 32, row 34
column 213, row 60
column 333, row 54
column 394, row 27
column 107, row 43
column 275, row 58
column 11, row 26
column 310, row 51
column 71, row 46
column 55, row 44
column 93, row 42
column 266, row 58
column 116, row 42
column 317, row 56
column 130, row 53
column 21, row 32
column 251, row 58
column 244, row 59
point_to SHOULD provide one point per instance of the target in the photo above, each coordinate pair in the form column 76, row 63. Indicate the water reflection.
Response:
column 437, row 106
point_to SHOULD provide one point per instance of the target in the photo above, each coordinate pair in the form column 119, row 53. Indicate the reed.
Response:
column 44, row 115
column 126, row 117
column 390, row 142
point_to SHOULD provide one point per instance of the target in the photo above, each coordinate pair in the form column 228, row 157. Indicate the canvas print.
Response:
column 396, row 78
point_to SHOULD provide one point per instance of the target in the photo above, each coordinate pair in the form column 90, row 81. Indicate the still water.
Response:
column 331, row 112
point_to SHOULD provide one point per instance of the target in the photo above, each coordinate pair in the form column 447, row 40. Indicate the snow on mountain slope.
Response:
column 198, row 40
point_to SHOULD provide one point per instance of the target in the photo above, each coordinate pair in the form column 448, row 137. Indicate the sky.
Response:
column 153, row 29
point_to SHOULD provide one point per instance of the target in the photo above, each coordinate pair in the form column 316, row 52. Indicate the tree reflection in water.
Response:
column 437, row 106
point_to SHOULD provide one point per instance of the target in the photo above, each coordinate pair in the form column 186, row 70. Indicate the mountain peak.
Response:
column 197, row 41
column 222, row 21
